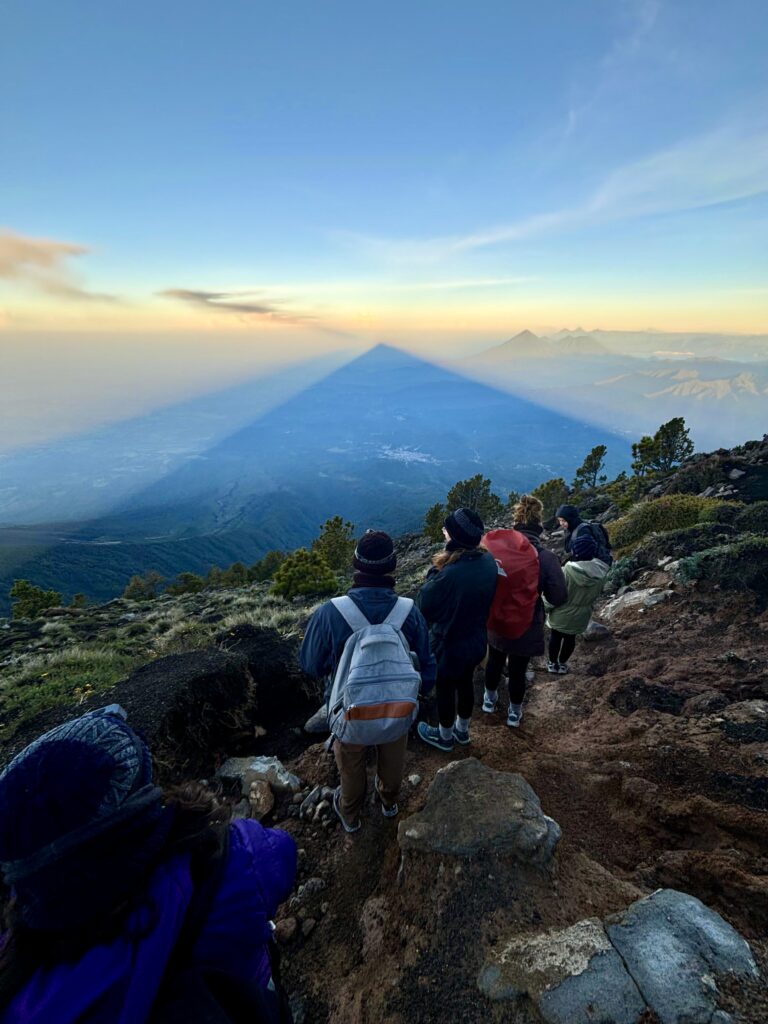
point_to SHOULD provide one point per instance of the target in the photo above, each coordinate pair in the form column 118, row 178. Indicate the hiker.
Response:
column 584, row 577
column 366, row 641
column 128, row 904
column 570, row 520
column 516, row 622
column 455, row 601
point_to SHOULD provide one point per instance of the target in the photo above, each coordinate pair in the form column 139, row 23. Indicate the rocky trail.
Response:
column 652, row 756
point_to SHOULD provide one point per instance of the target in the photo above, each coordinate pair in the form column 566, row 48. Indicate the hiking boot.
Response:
column 553, row 667
column 489, row 705
column 431, row 735
column 337, row 808
column 461, row 736
column 562, row 669
column 388, row 812
column 514, row 716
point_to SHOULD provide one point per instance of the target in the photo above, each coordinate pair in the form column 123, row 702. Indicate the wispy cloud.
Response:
column 43, row 264
column 730, row 163
column 233, row 302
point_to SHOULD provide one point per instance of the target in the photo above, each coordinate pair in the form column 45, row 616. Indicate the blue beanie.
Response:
column 69, row 793
column 584, row 547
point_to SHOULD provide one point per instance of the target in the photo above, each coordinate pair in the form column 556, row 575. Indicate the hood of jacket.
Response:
column 588, row 571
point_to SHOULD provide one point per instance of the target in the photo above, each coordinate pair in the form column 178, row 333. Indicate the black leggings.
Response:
column 561, row 646
column 455, row 688
column 517, row 669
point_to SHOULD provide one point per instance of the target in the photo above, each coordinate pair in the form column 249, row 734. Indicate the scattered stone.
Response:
column 261, row 798
column 317, row 725
column 737, row 474
column 310, row 804
column 472, row 809
column 297, row 798
column 414, row 779
column 246, row 770
column 636, row 600
column 308, row 926
column 286, row 929
column 596, row 631
column 310, row 888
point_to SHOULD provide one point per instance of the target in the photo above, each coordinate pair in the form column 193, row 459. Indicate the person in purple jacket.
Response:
column 102, row 866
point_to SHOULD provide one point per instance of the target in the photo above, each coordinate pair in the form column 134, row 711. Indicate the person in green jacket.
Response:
column 585, row 578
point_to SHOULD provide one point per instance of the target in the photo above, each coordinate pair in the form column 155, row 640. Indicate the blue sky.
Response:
column 434, row 170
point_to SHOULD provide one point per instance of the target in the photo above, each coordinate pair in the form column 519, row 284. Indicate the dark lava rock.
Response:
column 636, row 694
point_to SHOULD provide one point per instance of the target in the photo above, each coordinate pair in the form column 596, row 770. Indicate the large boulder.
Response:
column 573, row 975
column 472, row 810
column 634, row 601
column 675, row 947
column 663, row 955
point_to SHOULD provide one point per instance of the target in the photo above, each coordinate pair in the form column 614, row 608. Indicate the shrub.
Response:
column 742, row 565
column 186, row 583
column 304, row 573
column 28, row 601
column 143, row 588
column 433, row 522
column 622, row 572
column 551, row 494
column 266, row 567
column 681, row 543
column 475, row 493
column 753, row 518
column 727, row 513
column 672, row 512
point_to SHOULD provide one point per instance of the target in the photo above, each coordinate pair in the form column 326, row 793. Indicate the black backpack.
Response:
column 601, row 539
column 194, row 995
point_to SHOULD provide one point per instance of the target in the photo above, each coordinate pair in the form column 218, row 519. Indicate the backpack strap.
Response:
column 350, row 612
column 400, row 612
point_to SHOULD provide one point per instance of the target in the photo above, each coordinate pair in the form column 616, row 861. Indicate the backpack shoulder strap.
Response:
column 350, row 612
column 400, row 612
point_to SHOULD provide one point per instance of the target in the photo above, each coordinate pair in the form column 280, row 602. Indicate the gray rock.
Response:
column 317, row 725
column 573, row 975
column 635, row 600
column 737, row 474
column 673, row 946
column 596, row 631
column 261, row 798
column 472, row 810
column 246, row 770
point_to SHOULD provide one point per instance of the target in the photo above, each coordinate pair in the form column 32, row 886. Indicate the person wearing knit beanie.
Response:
column 373, row 594
column 455, row 601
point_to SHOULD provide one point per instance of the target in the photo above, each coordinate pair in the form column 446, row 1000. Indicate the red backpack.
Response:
column 517, row 589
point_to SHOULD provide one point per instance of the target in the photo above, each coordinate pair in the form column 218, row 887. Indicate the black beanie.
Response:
column 570, row 514
column 465, row 527
column 375, row 553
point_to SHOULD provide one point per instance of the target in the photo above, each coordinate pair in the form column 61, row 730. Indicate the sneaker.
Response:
column 514, row 718
column 553, row 667
column 388, row 812
column 489, row 706
column 431, row 735
column 562, row 669
column 337, row 808
column 461, row 736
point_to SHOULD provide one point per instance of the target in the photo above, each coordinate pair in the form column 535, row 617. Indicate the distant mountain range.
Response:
column 633, row 382
column 377, row 440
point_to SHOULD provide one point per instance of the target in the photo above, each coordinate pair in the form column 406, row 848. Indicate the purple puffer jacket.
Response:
column 118, row 983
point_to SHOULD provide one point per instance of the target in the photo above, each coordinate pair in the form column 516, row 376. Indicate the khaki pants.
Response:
column 390, row 764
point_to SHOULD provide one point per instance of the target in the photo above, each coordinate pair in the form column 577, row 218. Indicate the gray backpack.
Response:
column 375, row 692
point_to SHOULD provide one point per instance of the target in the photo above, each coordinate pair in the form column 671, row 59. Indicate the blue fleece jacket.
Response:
column 328, row 632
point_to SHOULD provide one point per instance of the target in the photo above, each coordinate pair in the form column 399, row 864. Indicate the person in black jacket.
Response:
column 517, row 653
column 455, row 601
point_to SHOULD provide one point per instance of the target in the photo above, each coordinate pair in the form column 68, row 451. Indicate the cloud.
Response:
column 234, row 302
column 43, row 264
column 728, row 164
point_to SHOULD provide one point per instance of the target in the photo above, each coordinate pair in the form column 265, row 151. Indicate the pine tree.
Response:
column 588, row 473
column 336, row 543
column 266, row 567
column 475, row 493
column 551, row 494
column 433, row 522
column 306, row 574
column 28, row 601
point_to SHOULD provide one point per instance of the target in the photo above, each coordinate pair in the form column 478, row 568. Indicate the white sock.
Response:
column 462, row 724
column 446, row 732
column 491, row 695
column 517, row 708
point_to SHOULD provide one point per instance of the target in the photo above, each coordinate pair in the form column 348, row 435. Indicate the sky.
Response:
column 191, row 191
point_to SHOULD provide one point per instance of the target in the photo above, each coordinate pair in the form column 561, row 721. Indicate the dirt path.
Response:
column 653, row 758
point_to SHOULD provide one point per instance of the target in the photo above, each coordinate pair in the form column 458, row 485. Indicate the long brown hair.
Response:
column 200, row 821
column 446, row 558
